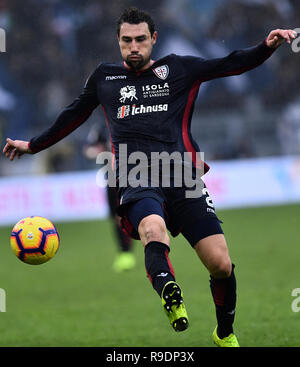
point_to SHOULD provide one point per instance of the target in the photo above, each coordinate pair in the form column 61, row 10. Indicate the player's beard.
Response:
column 137, row 64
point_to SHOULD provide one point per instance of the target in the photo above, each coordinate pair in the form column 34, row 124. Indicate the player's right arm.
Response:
column 15, row 148
column 68, row 120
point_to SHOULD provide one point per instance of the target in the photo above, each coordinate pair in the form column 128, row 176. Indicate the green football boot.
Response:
column 172, row 301
column 228, row 341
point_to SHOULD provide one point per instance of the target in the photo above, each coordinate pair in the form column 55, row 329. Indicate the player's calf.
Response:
column 161, row 274
column 158, row 266
column 224, row 296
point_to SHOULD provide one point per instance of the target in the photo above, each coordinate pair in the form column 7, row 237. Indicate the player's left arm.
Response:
column 239, row 61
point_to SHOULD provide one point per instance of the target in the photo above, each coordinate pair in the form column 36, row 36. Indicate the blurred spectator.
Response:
column 53, row 45
column 289, row 129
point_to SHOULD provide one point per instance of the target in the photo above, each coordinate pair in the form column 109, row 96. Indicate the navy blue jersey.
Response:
column 149, row 110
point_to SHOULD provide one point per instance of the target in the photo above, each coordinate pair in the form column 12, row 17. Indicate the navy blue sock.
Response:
column 158, row 266
column 224, row 295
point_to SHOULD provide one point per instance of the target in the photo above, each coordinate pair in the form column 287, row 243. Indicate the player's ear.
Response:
column 154, row 38
column 118, row 35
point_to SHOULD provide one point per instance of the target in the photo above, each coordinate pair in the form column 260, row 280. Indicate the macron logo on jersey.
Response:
column 116, row 77
column 161, row 72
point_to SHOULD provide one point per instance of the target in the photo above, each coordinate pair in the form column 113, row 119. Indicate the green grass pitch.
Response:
column 77, row 300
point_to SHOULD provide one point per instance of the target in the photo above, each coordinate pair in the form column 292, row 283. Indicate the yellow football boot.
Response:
column 228, row 341
column 172, row 301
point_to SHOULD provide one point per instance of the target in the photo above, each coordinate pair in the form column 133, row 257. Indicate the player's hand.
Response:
column 15, row 148
column 278, row 36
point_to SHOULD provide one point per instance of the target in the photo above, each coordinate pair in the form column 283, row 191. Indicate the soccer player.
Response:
column 148, row 105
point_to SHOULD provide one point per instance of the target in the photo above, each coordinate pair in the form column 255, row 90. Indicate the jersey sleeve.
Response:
column 235, row 63
column 70, row 118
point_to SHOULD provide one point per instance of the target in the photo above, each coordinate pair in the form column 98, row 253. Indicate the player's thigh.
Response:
column 137, row 203
column 214, row 254
column 148, row 218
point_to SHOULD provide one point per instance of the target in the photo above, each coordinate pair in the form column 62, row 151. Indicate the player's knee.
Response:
column 153, row 228
column 221, row 268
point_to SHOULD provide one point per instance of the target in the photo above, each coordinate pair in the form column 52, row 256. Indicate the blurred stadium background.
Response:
column 248, row 124
column 53, row 45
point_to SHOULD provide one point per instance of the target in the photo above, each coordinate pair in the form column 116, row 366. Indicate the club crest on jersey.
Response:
column 161, row 72
column 128, row 92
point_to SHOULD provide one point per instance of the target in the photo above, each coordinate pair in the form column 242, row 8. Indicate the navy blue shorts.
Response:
column 195, row 218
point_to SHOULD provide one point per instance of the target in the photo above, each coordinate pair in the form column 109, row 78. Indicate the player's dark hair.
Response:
column 134, row 15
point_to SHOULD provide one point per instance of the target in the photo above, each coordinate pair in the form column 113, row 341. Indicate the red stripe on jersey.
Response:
column 185, row 128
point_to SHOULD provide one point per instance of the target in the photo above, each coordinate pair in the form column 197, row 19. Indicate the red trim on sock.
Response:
column 169, row 263
column 219, row 291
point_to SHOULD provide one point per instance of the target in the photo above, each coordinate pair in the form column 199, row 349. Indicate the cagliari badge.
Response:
column 162, row 71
